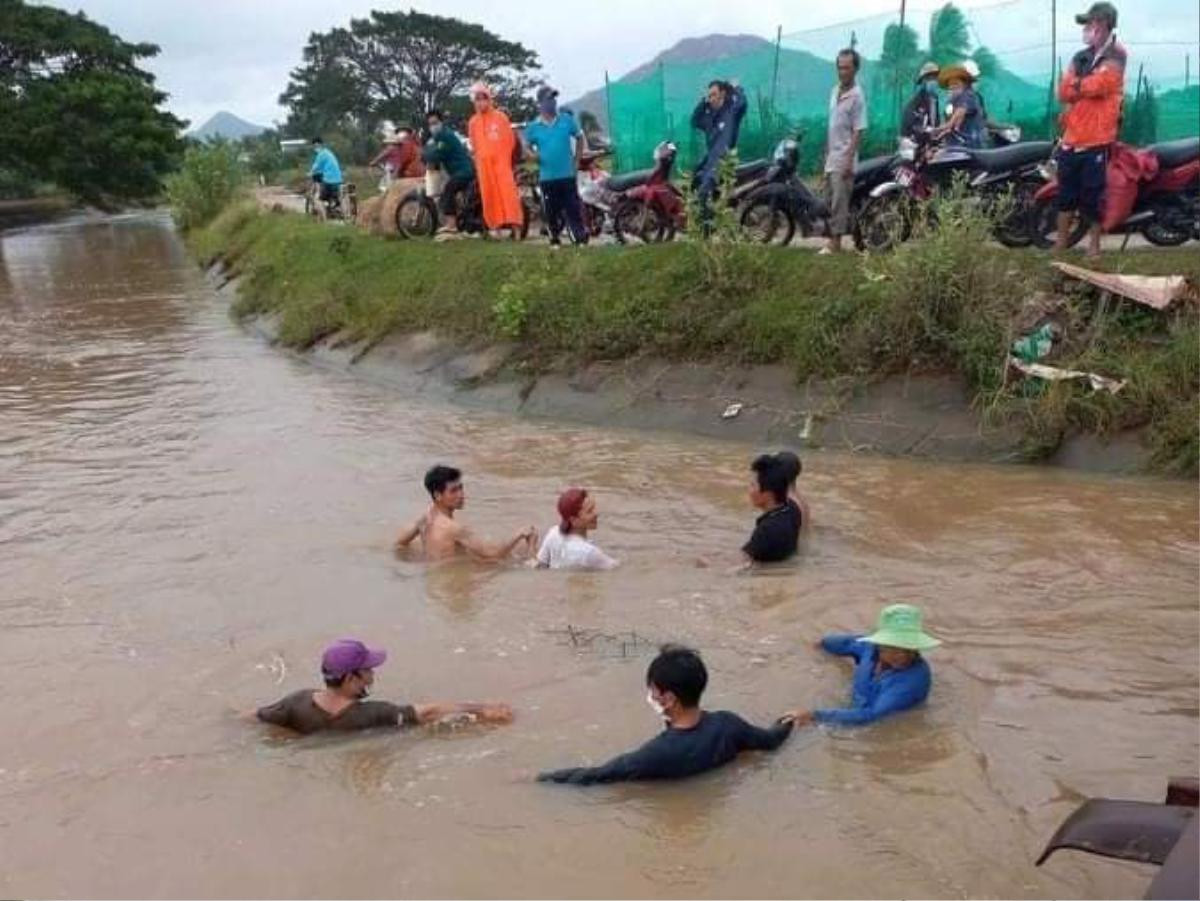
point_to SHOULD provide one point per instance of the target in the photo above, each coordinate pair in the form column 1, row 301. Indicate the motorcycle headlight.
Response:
column 1012, row 134
column 908, row 150
column 782, row 149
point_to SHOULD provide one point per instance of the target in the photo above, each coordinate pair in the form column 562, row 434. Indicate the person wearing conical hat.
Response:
column 890, row 673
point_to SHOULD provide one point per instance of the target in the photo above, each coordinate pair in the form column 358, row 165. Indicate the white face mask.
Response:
column 655, row 706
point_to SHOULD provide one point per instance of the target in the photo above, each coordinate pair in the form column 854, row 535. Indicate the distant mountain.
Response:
column 228, row 126
column 709, row 49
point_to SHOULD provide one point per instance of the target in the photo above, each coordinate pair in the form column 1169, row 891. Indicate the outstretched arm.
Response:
column 495, row 551
column 647, row 762
column 898, row 695
column 754, row 738
column 486, row 712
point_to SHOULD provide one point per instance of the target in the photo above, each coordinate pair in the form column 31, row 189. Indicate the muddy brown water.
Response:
column 187, row 515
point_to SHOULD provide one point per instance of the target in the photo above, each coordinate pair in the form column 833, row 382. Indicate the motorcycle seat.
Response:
column 629, row 180
column 873, row 166
column 1175, row 153
column 752, row 169
column 1013, row 156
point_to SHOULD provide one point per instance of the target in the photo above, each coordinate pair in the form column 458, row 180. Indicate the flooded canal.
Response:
column 187, row 516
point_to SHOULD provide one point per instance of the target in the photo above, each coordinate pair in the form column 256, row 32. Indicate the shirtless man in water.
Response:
column 443, row 537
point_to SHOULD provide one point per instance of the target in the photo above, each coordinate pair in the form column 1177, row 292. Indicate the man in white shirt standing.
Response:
column 847, row 122
column 565, row 545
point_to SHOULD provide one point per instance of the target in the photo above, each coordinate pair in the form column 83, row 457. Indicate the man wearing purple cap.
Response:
column 348, row 667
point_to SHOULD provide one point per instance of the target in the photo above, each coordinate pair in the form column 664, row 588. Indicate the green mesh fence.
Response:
column 788, row 80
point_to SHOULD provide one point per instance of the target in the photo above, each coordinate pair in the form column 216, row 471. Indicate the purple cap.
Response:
column 347, row 655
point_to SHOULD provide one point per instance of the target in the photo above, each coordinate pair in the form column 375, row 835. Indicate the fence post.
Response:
column 775, row 69
column 612, row 126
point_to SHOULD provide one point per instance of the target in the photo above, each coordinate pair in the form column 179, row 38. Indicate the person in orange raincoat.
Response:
column 493, row 142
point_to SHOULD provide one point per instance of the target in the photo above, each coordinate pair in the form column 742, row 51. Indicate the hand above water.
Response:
column 798, row 718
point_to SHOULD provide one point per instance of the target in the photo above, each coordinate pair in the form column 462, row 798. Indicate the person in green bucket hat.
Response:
column 890, row 675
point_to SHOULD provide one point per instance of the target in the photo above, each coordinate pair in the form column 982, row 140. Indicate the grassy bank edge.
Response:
column 950, row 303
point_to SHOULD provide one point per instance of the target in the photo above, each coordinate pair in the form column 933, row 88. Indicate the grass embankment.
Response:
column 951, row 302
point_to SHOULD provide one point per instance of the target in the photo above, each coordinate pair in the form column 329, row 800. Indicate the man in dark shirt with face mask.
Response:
column 694, row 739
column 348, row 667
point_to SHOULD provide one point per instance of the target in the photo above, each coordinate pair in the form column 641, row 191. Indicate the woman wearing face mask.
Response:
column 966, row 125
column 923, row 111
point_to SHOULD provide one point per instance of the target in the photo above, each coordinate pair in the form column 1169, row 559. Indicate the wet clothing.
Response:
column 776, row 534
column 674, row 753
column 847, row 115
column 446, row 150
column 325, row 165
column 920, row 113
column 555, row 146
column 874, row 697
column 720, row 127
column 559, row 551
column 971, row 132
column 495, row 143
column 300, row 712
column 1082, row 178
column 1094, row 88
column 560, row 197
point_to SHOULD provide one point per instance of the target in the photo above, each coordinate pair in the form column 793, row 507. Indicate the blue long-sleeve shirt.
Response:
column 325, row 164
column 872, row 697
column 674, row 753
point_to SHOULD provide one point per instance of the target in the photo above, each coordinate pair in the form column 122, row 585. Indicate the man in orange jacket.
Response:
column 493, row 142
column 1093, row 89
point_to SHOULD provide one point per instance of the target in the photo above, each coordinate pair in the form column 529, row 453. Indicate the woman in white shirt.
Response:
column 565, row 545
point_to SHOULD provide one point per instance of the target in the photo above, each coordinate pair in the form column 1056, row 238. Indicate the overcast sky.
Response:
column 236, row 54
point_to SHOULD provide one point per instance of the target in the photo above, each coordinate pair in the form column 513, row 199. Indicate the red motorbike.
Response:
column 654, row 211
column 1154, row 192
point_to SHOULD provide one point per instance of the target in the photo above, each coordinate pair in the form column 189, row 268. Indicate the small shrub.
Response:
column 209, row 179
column 515, row 298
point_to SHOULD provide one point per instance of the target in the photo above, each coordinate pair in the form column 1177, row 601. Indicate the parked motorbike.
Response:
column 1166, row 211
column 601, row 191
column 774, row 209
column 652, row 212
column 418, row 215
column 1004, row 178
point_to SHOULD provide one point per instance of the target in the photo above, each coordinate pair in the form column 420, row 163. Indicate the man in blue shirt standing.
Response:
column 555, row 140
column 327, row 173
column 890, row 675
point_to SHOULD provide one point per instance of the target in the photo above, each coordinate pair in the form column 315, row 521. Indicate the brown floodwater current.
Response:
column 187, row 516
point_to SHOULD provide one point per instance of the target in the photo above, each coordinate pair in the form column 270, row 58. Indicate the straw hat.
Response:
column 956, row 72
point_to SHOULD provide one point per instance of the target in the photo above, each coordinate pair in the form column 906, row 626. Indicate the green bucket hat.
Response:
column 900, row 627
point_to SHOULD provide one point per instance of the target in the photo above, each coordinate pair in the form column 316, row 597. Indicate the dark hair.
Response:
column 316, row 140
column 790, row 464
column 853, row 55
column 723, row 85
column 434, row 113
column 680, row 671
column 772, row 476
column 332, row 681
column 439, row 477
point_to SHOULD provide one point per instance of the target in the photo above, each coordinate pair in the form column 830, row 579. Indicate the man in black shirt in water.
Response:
column 693, row 741
column 777, row 530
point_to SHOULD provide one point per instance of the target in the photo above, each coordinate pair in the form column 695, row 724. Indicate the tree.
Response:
column 397, row 65
column 898, row 62
column 949, row 40
column 76, row 108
